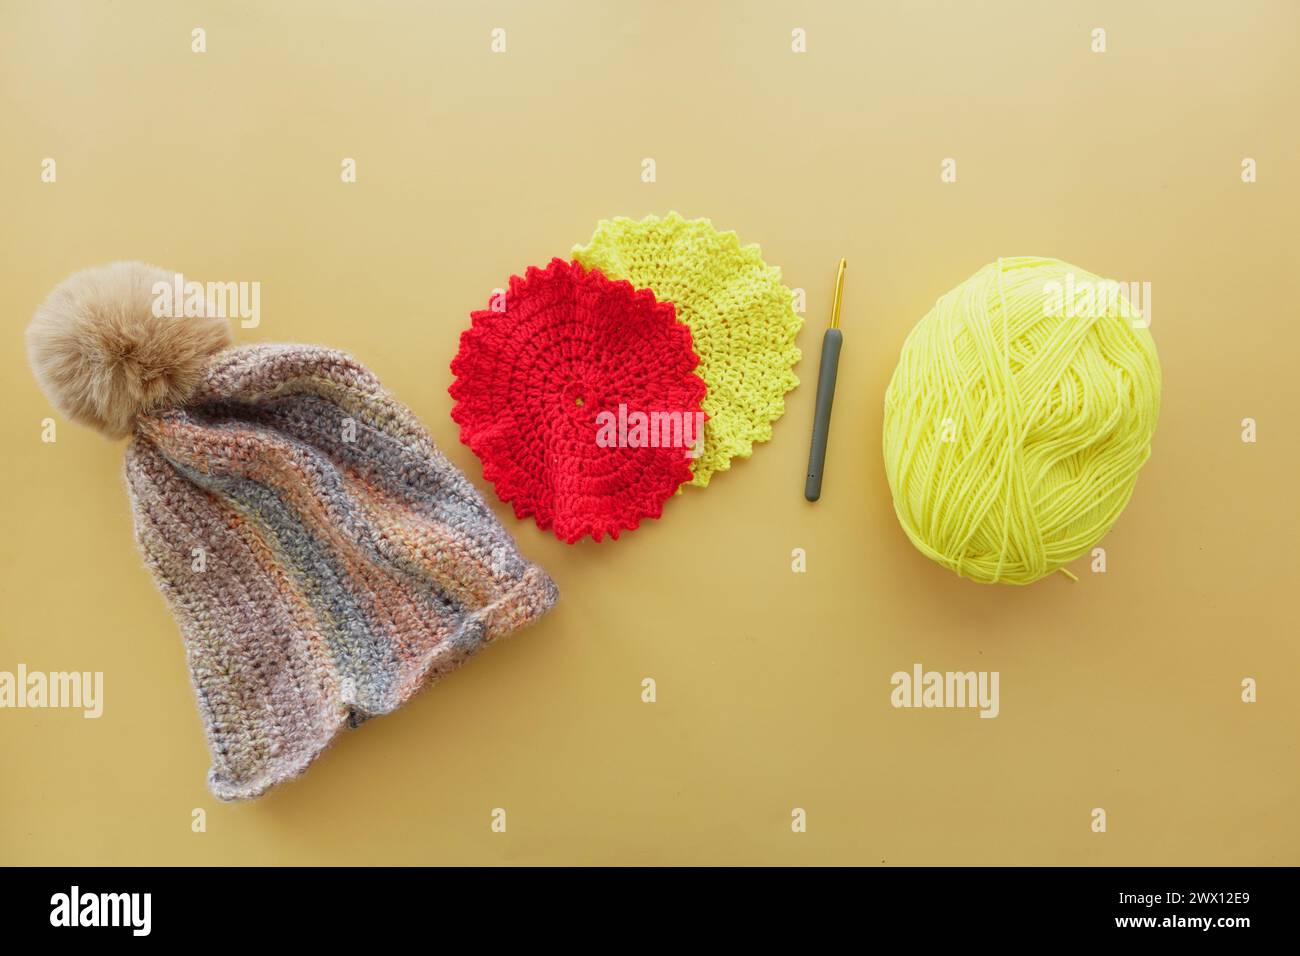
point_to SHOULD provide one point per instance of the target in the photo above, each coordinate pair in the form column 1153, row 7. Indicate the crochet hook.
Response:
column 831, row 342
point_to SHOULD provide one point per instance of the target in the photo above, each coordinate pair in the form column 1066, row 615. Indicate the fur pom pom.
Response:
column 102, row 356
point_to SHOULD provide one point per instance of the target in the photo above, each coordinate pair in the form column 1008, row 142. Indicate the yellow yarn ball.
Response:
column 1021, row 410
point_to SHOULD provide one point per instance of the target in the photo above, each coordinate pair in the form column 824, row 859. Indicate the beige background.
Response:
column 1121, row 691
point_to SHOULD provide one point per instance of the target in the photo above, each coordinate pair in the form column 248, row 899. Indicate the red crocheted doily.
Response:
column 533, row 377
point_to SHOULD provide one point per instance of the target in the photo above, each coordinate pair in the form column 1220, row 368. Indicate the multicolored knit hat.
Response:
column 742, row 320
column 324, row 559
column 579, row 396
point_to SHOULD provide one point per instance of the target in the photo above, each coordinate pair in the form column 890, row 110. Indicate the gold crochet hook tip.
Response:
column 839, row 294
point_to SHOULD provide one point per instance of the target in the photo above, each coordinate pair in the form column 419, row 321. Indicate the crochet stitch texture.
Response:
column 534, row 380
column 742, row 320
column 325, row 560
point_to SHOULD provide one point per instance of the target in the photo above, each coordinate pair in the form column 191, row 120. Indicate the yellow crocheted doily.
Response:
column 742, row 319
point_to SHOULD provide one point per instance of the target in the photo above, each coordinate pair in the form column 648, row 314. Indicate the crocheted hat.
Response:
column 324, row 559
column 742, row 319
column 577, row 393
